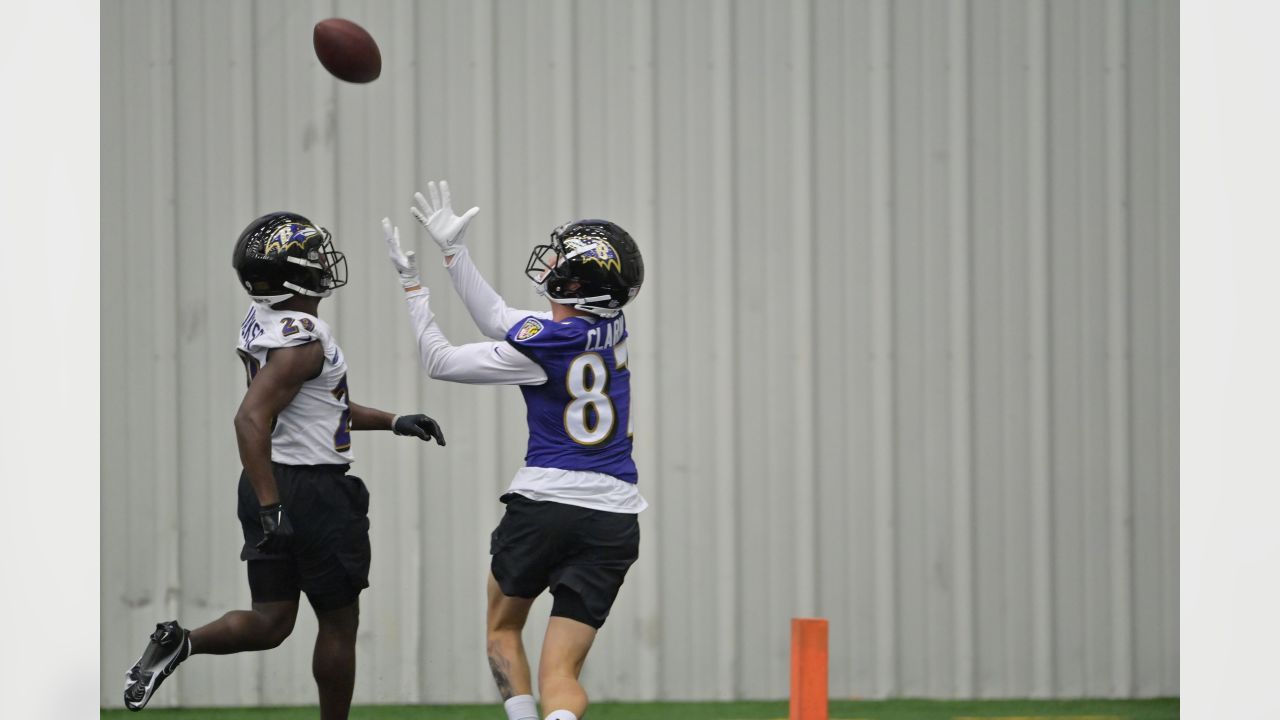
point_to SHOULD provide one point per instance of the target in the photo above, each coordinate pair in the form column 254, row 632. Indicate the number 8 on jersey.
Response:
column 586, row 398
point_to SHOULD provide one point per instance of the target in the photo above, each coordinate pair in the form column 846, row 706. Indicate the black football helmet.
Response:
column 599, row 256
column 282, row 254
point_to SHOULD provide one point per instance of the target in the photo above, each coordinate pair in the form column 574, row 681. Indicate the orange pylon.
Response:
column 808, row 669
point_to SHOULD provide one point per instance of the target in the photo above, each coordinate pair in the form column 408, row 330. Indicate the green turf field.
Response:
column 1163, row 709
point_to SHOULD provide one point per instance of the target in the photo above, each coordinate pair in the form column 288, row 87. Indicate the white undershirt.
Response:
column 592, row 490
column 498, row 363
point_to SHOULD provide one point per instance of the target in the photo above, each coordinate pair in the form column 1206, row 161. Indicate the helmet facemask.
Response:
column 551, row 269
column 592, row 265
column 325, row 266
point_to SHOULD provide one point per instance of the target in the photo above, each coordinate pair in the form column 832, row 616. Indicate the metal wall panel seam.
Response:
column 961, row 348
column 138, row 570
column 484, row 55
column 250, row 678
column 255, row 93
column 220, row 476
column 405, row 463
column 154, row 454
column 1167, row 114
column 724, row 196
column 1079, row 360
column 192, row 364
column 851, row 459
column 910, row 155
column 648, row 604
column 646, row 587
column 247, row 673
column 113, row 503
column 647, row 591
column 772, row 544
column 741, row 500
column 882, row 344
column 803, row 303
column 848, row 459
column 141, row 593
column 140, row 464
column 1014, row 574
column 1039, row 355
column 350, row 171
column 1143, row 281
column 172, row 491
column 665, row 527
column 762, row 584
column 433, row 163
column 566, row 89
column 934, row 655
column 1118, row 350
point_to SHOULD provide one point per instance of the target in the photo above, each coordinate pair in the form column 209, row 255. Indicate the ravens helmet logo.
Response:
column 594, row 250
column 289, row 236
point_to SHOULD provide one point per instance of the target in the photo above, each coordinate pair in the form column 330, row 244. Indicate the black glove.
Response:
column 277, row 531
column 419, row 426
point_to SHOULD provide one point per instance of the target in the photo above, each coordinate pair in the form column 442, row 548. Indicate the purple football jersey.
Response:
column 579, row 419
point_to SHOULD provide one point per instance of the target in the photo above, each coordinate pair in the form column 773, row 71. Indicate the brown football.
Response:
column 347, row 50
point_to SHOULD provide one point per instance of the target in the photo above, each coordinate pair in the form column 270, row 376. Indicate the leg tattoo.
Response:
column 501, row 669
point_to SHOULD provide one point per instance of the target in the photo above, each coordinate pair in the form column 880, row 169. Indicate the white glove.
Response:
column 406, row 263
column 436, row 215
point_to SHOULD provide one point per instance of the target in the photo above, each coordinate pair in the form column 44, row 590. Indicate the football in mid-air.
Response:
column 347, row 50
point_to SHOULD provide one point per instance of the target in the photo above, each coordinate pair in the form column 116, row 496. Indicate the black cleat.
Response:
column 170, row 645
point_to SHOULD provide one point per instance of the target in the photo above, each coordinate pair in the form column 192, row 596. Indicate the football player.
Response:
column 304, row 519
column 570, row 523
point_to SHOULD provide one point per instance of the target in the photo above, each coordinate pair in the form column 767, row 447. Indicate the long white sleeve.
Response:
column 487, row 308
column 483, row 363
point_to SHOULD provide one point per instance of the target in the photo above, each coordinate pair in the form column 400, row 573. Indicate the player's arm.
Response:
column 482, row 363
column 487, row 308
column 367, row 418
column 418, row 425
column 490, row 363
column 270, row 392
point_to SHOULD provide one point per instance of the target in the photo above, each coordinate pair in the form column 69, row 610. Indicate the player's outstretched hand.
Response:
column 277, row 531
column 405, row 263
column 436, row 215
column 419, row 426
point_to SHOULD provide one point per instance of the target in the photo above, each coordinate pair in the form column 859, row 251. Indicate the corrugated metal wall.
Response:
column 906, row 356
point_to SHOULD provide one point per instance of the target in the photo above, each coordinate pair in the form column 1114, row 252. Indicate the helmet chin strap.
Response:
column 578, row 303
column 271, row 299
column 295, row 290
column 599, row 311
column 309, row 293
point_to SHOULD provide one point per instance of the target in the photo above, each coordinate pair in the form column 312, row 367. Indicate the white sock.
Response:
column 521, row 707
column 562, row 715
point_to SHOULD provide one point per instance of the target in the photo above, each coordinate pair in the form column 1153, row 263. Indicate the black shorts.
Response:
column 581, row 554
column 329, row 556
